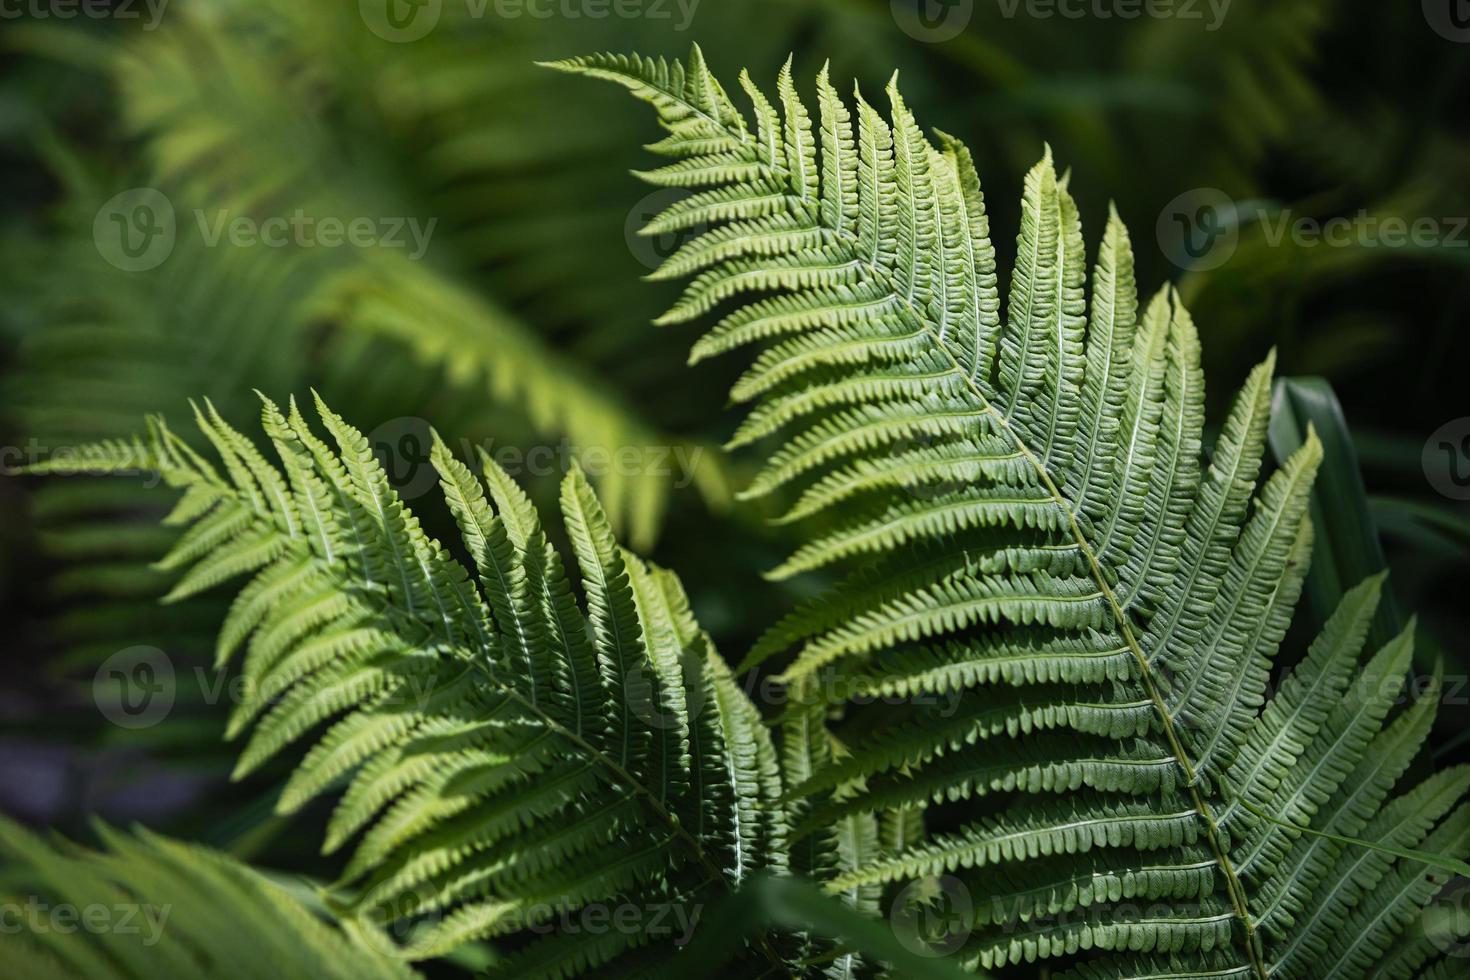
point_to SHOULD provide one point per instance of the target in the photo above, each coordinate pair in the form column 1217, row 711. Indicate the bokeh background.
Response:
column 1298, row 168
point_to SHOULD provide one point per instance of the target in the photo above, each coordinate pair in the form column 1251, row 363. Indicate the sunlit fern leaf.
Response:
column 1023, row 500
column 509, row 760
column 150, row 908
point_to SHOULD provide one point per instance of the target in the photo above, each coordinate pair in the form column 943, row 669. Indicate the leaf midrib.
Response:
column 340, row 570
column 1201, row 806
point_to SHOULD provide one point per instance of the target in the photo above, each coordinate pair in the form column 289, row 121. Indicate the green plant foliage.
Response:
column 508, row 757
column 233, row 118
column 1069, row 604
column 151, row 908
column 115, row 346
column 1021, row 499
column 1349, row 550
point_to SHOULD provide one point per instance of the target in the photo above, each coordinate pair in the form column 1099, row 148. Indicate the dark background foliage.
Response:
column 525, row 322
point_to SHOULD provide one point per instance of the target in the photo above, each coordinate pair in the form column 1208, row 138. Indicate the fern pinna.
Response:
column 508, row 759
column 1025, row 518
column 158, row 909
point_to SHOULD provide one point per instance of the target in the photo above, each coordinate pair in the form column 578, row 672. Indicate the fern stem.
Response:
column 344, row 573
column 621, row 775
column 1233, row 885
column 1234, row 888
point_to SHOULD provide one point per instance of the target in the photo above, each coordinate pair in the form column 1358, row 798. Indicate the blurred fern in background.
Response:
column 523, row 322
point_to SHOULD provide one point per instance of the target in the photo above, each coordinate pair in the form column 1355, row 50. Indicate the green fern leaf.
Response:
column 151, row 908
column 1028, row 523
column 506, row 761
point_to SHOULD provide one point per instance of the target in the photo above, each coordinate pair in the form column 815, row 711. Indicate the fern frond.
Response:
column 151, row 908
column 505, row 759
column 1029, row 522
column 228, row 103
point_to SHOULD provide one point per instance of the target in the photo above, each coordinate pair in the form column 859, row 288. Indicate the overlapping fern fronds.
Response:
column 104, row 348
column 151, row 908
column 1021, row 499
column 509, row 758
column 108, row 346
column 238, row 116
